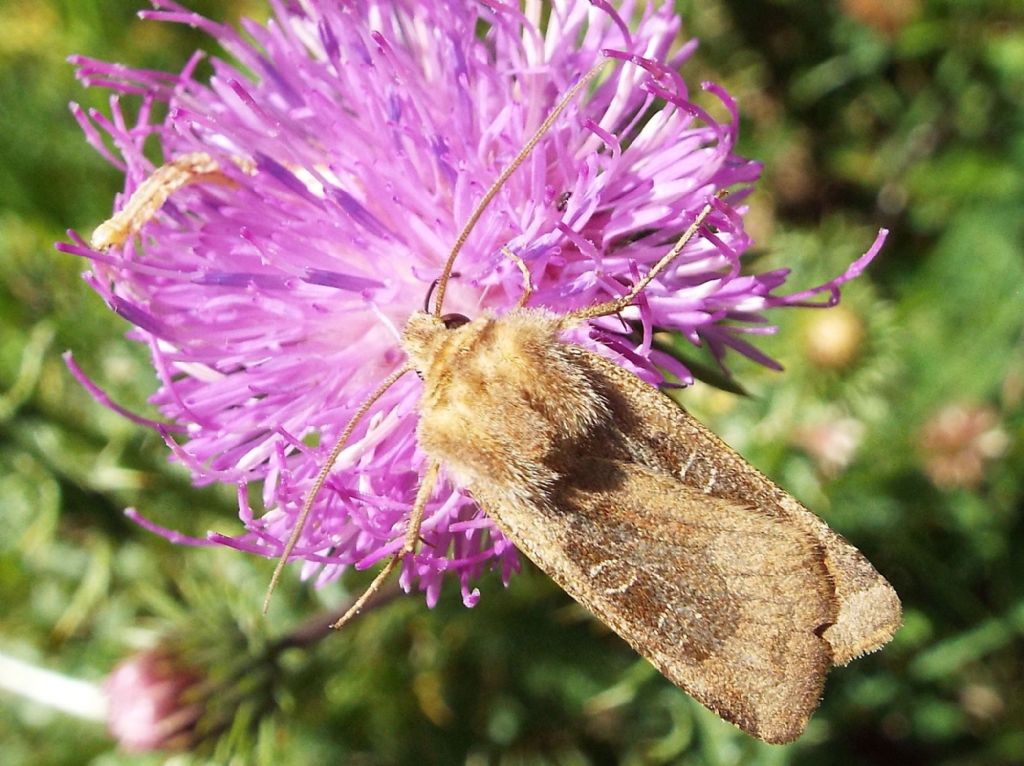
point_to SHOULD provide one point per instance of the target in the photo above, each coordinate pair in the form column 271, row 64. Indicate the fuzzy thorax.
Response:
column 501, row 397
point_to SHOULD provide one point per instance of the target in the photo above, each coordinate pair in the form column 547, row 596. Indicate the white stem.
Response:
column 69, row 695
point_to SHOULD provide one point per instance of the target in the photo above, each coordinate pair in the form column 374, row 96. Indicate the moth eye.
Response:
column 451, row 321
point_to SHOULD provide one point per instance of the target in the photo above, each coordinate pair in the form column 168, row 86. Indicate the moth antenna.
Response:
column 307, row 506
column 430, row 291
column 485, row 201
column 412, row 536
column 527, row 280
column 150, row 196
column 618, row 304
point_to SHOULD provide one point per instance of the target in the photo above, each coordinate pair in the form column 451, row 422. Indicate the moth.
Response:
column 729, row 586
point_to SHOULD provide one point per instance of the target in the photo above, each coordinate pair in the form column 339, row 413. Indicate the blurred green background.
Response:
column 898, row 419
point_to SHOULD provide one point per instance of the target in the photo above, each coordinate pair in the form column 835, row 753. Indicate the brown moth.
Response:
column 729, row 586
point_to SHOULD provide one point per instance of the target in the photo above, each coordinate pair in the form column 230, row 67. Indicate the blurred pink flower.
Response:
column 958, row 442
column 831, row 441
column 358, row 137
column 147, row 708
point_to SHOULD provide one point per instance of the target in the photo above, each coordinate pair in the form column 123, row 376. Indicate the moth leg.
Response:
column 150, row 196
column 527, row 281
column 412, row 536
column 618, row 304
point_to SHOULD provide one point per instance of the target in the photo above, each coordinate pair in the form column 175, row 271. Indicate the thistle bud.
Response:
column 833, row 339
column 150, row 704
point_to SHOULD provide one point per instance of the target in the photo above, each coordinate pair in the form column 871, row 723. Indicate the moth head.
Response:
column 425, row 333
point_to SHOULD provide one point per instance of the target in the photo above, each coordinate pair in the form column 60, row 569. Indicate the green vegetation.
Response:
column 898, row 419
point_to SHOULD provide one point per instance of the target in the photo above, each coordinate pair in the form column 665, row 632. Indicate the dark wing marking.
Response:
column 728, row 602
column 658, row 433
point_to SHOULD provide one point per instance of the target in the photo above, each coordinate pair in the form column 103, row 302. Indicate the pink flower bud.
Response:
column 149, row 707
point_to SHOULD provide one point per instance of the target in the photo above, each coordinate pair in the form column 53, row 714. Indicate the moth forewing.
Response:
column 725, row 602
column 668, row 439
column 733, row 590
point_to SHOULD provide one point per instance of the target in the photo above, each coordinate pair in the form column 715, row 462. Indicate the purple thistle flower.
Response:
column 354, row 140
